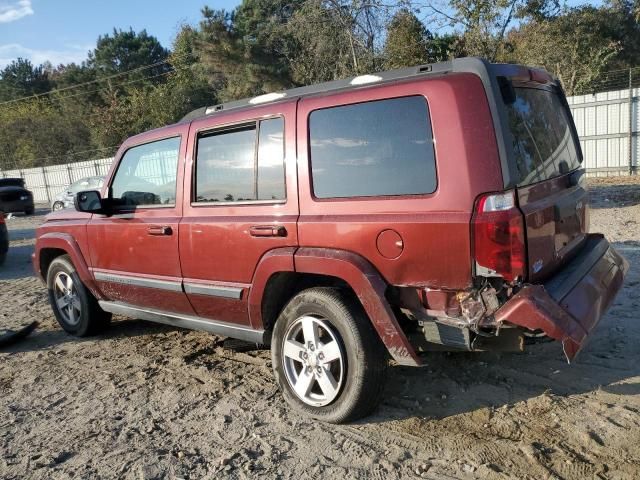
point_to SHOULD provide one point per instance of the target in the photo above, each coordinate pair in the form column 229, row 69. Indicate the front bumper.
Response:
column 570, row 305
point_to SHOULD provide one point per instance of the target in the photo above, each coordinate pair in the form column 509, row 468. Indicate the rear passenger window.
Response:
column 241, row 164
column 370, row 149
column 146, row 175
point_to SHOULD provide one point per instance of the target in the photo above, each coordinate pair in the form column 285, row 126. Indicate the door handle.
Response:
column 268, row 231
column 164, row 230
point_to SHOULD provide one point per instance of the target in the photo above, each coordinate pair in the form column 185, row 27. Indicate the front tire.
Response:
column 57, row 206
column 74, row 306
column 327, row 358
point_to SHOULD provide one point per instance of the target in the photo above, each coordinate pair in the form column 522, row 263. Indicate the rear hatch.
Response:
column 545, row 159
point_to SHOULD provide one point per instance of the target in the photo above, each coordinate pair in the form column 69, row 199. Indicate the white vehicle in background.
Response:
column 65, row 198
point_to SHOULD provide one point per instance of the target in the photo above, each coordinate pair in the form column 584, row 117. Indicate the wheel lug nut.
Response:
column 308, row 369
column 312, row 348
column 321, row 356
column 319, row 370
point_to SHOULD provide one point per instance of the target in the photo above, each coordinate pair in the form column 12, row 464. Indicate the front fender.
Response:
column 65, row 242
column 370, row 288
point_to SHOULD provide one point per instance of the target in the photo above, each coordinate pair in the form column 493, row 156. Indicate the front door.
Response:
column 134, row 249
column 241, row 204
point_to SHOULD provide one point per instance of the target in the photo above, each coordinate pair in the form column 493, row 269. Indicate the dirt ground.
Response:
column 147, row 401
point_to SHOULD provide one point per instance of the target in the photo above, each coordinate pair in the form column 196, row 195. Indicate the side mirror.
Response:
column 89, row 202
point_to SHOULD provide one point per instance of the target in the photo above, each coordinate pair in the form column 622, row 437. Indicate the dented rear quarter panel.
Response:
column 434, row 228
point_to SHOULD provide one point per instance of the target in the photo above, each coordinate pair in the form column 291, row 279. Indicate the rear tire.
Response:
column 29, row 211
column 74, row 306
column 327, row 359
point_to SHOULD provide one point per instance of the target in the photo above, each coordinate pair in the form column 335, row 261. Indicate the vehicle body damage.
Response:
column 565, row 308
column 441, row 206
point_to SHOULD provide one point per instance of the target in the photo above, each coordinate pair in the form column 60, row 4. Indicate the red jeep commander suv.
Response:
column 346, row 223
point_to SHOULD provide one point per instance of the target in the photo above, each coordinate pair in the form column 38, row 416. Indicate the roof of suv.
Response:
column 478, row 66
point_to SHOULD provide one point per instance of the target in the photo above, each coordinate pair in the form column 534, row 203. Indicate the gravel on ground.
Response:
column 146, row 401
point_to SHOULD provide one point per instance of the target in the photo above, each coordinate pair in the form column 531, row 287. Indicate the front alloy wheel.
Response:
column 74, row 306
column 66, row 297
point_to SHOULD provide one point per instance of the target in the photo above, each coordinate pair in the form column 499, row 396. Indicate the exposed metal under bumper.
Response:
column 568, row 307
column 190, row 322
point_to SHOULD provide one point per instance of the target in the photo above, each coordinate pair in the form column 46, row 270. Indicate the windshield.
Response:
column 543, row 142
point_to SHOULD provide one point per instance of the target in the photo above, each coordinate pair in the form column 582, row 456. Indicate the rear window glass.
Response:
column 372, row 149
column 543, row 142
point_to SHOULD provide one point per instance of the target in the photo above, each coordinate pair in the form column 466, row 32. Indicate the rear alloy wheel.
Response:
column 327, row 358
column 57, row 206
column 314, row 361
column 74, row 306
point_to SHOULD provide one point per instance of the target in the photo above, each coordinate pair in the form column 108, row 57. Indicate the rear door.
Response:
column 550, row 184
column 241, row 202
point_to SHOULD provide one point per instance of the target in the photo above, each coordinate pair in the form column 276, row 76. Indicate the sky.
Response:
column 63, row 31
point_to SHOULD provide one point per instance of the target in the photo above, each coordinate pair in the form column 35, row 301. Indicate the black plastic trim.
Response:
column 187, row 321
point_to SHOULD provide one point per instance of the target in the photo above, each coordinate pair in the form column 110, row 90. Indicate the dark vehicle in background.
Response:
column 4, row 239
column 345, row 224
column 14, row 197
column 65, row 198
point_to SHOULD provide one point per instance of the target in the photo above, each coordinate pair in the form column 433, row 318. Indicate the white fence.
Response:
column 47, row 182
column 606, row 122
column 608, row 126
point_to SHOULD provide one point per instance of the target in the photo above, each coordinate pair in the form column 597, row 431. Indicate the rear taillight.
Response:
column 498, row 237
column 1, row 217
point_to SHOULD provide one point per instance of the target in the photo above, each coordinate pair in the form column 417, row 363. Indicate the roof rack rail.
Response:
column 335, row 85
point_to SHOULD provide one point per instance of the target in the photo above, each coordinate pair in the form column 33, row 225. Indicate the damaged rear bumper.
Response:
column 570, row 305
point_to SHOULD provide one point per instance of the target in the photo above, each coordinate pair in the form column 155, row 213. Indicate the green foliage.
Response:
column 409, row 42
column 36, row 130
column 235, row 64
column 20, row 79
column 130, row 82
column 576, row 47
column 127, row 50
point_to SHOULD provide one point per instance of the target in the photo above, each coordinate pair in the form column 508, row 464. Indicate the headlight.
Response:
column 24, row 197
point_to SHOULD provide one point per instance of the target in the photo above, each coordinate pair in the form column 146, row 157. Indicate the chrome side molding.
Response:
column 213, row 290
column 138, row 281
column 222, row 291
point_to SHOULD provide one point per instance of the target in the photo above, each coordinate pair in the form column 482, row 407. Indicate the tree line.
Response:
column 130, row 83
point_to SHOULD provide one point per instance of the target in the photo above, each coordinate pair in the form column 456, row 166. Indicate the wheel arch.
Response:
column 284, row 272
column 52, row 245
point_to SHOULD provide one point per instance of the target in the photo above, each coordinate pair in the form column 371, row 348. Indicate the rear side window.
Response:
column 241, row 164
column 372, row 149
column 542, row 137
column 146, row 175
